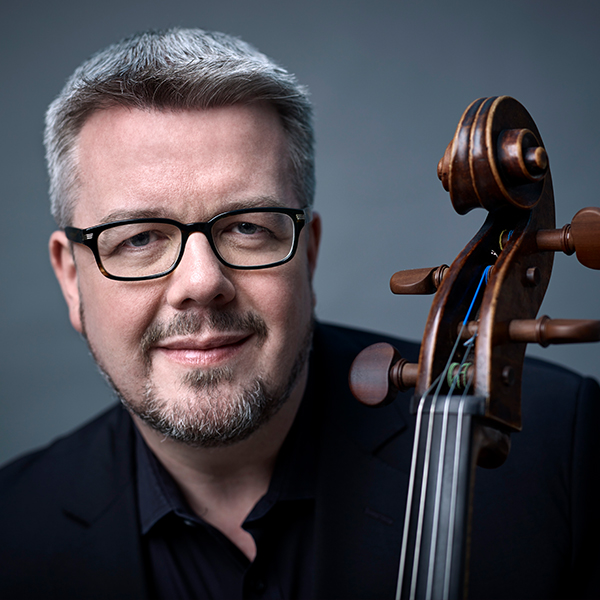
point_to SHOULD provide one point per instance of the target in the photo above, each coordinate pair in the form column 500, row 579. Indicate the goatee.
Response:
column 211, row 411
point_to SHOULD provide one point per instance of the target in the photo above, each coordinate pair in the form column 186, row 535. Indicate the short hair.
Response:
column 175, row 69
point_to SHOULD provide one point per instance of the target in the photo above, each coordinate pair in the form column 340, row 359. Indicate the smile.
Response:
column 208, row 352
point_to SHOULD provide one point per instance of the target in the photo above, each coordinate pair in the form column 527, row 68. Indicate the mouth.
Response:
column 208, row 351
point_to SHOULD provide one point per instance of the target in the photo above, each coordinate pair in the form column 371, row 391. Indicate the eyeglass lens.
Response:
column 244, row 240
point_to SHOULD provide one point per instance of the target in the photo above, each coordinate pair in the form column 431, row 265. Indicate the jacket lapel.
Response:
column 101, row 513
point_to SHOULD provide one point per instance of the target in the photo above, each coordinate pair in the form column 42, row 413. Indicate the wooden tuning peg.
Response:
column 378, row 373
column 585, row 231
column 582, row 236
column 545, row 331
column 418, row 281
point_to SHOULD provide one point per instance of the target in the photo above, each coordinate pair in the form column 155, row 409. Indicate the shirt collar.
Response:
column 158, row 494
column 294, row 475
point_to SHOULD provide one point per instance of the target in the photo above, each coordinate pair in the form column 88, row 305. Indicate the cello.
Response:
column 467, row 382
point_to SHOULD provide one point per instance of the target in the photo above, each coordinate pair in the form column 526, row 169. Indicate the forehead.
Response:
column 186, row 164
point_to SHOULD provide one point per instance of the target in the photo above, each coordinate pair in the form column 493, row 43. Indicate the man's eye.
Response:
column 139, row 240
column 246, row 228
column 143, row 240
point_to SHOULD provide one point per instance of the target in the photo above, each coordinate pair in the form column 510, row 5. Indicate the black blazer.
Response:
column 69, row 524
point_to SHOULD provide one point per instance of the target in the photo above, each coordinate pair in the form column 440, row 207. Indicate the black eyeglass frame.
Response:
column 89, row 237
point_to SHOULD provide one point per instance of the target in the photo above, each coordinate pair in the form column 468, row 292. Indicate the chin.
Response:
column 213, row 416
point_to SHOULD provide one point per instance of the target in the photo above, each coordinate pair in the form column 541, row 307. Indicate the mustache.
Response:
column 193, row 323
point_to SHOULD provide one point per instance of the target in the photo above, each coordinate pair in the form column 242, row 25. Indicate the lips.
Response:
column 207, row 351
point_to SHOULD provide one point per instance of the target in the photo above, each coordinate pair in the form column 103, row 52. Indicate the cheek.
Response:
column 115, row 315
column 283, row 297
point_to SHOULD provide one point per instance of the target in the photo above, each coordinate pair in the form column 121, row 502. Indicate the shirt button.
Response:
column 258, row 586
column 189, row 523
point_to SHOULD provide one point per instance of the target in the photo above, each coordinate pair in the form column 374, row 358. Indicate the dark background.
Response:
column 389, row 81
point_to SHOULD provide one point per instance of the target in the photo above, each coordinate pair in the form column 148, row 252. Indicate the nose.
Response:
column 199, row 278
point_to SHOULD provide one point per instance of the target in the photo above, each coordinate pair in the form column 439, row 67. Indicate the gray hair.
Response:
column 176, row 69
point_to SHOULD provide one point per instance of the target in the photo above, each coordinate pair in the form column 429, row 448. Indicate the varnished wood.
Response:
column 546, row 331
column 555, row 240
column 507, row 294
column 378, row 373
column 585, row 230
column 418, row 281
column 493, row 160
column 581, row 236
column 543, row 331
column 468, row 379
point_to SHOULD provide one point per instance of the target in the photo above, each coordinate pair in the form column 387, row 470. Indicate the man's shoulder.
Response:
column 349, row 341
column 61, row 510
column 68, row 457
column 538, row 371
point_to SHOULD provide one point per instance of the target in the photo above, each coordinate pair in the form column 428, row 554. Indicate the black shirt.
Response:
column 188, row 558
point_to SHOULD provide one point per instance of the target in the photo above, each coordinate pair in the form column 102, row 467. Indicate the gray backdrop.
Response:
column 389, row 81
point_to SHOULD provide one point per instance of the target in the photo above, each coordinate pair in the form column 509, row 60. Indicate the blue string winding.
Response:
column 484, row 277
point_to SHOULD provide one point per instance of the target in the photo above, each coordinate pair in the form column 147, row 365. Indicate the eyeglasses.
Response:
column 138, row 249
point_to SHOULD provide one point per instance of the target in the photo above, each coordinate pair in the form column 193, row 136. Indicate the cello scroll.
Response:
column 468, row 378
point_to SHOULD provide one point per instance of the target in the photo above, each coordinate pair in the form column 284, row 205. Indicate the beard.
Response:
column 211, row 411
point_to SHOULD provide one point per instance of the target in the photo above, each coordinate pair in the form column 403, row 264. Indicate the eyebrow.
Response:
column 124, row 215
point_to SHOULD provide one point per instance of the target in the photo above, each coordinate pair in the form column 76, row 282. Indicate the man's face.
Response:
column 195, row 352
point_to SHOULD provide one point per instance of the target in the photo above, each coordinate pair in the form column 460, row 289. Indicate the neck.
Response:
column 222, row 485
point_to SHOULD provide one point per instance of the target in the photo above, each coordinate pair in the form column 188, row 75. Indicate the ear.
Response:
column 63, row 263
column 314, row 239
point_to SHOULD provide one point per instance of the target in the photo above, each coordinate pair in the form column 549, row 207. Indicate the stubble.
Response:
column 211, row 410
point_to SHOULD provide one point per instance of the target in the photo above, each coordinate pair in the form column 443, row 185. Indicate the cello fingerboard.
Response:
column 435, row 541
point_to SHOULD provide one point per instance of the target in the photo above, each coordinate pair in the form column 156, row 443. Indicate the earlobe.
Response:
column 314, row 239
column 63, row 263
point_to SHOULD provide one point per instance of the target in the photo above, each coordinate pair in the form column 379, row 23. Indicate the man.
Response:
column 181, row 172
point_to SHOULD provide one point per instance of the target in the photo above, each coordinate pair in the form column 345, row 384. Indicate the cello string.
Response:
column 429, row 439
column 438, row 494
column 454, row 492
column 453, row 497
column 425, row 477
column 411, row 487
column 441, row 468
column 421, row 513
column 424, row 481
column 457, row 444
